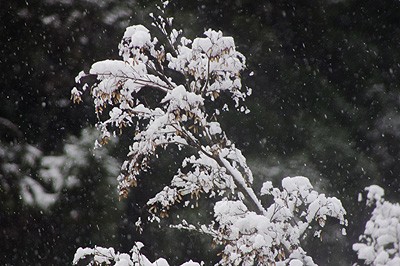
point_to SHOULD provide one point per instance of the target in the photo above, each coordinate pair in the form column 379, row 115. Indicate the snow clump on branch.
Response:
column 380, row 243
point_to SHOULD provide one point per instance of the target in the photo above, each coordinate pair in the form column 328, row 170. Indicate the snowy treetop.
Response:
column 163, row 93
column 210, row 65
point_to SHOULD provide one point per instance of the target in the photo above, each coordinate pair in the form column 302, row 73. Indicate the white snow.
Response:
column 375, row 193
column 81, row 253
column 379, row 244
column 296, row 262
column 139, row 35
column 33, row 193
column 190, row 263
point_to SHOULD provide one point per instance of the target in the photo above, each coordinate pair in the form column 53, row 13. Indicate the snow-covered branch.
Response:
column 380, row 243
column 108, row 256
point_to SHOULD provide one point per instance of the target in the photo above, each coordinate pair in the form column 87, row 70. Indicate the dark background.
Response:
column 325, row 105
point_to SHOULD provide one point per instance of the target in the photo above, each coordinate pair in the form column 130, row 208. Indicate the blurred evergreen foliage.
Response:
column 325, row 76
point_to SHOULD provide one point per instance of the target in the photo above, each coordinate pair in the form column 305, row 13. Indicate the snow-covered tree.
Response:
column 38, row 179
column 380, row 243
column 171, row 94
